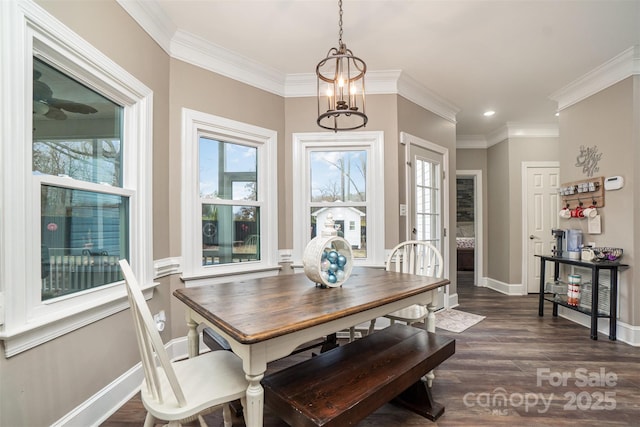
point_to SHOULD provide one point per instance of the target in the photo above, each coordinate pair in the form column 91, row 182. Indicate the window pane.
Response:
column 76, row 131
column 83, row 236
column 355, row 221
column 228, row 171
column 338, row 176
column 230, row 234
column 427, row 196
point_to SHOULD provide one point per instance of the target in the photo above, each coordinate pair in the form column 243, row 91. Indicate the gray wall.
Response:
column 498, row 215
column 610, row 120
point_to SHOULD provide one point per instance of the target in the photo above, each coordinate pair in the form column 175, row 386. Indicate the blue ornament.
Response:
column 332, row 278
column 332, row 257
column 333, row 267
column 342, row 260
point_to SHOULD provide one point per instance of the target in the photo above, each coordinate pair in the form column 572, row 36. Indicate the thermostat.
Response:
column 613, row 183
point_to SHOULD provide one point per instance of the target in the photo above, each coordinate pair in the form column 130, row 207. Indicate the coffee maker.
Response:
column 559, row 235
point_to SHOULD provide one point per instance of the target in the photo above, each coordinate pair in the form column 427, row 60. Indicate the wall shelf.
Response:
column 585, row 193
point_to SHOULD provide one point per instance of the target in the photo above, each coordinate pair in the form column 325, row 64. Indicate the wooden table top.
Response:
column 256, row 310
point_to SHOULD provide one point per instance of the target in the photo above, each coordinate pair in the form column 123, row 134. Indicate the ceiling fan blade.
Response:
column 73, row 107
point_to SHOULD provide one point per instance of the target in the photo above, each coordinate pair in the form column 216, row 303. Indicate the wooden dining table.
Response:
column 268, row 318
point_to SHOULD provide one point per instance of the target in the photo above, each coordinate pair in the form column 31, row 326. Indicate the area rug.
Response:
column 455, row 320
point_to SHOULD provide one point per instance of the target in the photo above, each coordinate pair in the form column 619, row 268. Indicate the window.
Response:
column 337, row 173
column 76, row 180
column 230, row 209
column 83, row 229
column 338, row 185
column 427, row 195
column 230, row 202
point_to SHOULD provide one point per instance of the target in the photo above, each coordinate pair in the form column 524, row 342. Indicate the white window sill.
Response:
column 31, row 334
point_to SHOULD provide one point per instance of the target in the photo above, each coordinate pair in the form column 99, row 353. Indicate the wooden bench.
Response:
column 344, row 385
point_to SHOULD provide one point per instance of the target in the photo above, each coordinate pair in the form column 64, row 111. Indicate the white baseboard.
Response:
column 95, row 410
column 625, row 333
column 505, row 288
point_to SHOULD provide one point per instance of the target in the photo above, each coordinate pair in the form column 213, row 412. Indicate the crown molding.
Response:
column 199, row 52
column 409, row 88
column 510, row 130
column 471, row 142
column 513, row 130
column 152, row 18
column 532, row 130
column 300, row 85
column 611, row 72
column 497, row 136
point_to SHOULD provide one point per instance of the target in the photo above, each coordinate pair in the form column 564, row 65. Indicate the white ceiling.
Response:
column 508, row 56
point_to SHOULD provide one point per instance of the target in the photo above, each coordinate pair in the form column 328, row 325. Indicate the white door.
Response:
column 541, row 216
column 426, row 200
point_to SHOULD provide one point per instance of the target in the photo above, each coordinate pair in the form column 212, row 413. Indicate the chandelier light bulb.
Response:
column 329, row 91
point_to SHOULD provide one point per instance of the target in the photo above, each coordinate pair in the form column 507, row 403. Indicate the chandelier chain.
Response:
column 340, row 24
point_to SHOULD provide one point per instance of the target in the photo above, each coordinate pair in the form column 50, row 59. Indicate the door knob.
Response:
column 532, row 237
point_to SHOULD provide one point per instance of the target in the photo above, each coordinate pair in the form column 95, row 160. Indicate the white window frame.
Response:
column 373, row 143
column 27, row 30
column 196, row 124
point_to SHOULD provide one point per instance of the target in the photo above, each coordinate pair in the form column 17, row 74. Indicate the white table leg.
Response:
column 193, row 340
column 254, row 407
column 430, row 324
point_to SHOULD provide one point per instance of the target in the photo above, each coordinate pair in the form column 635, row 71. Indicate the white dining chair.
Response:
column 413, row 257
column 421, row 258
column 185, row 390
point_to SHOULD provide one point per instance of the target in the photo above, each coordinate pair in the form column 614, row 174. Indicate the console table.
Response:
column 593, row 312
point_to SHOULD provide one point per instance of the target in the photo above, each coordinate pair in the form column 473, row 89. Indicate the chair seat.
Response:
column 207, row 380
column 412, row 314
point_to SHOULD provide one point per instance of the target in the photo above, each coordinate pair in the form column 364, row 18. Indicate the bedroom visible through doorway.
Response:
column 468, row 227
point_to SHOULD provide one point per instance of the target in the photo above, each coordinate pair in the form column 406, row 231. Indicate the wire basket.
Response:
column 606, row 254
column 586, row 297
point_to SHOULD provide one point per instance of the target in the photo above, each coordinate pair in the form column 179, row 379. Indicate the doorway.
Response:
column 469, row 228
column 427, row 198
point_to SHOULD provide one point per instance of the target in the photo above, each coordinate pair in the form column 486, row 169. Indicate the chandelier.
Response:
column 340, row 75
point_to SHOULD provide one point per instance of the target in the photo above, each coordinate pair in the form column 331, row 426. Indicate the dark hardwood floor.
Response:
column 511, row 369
